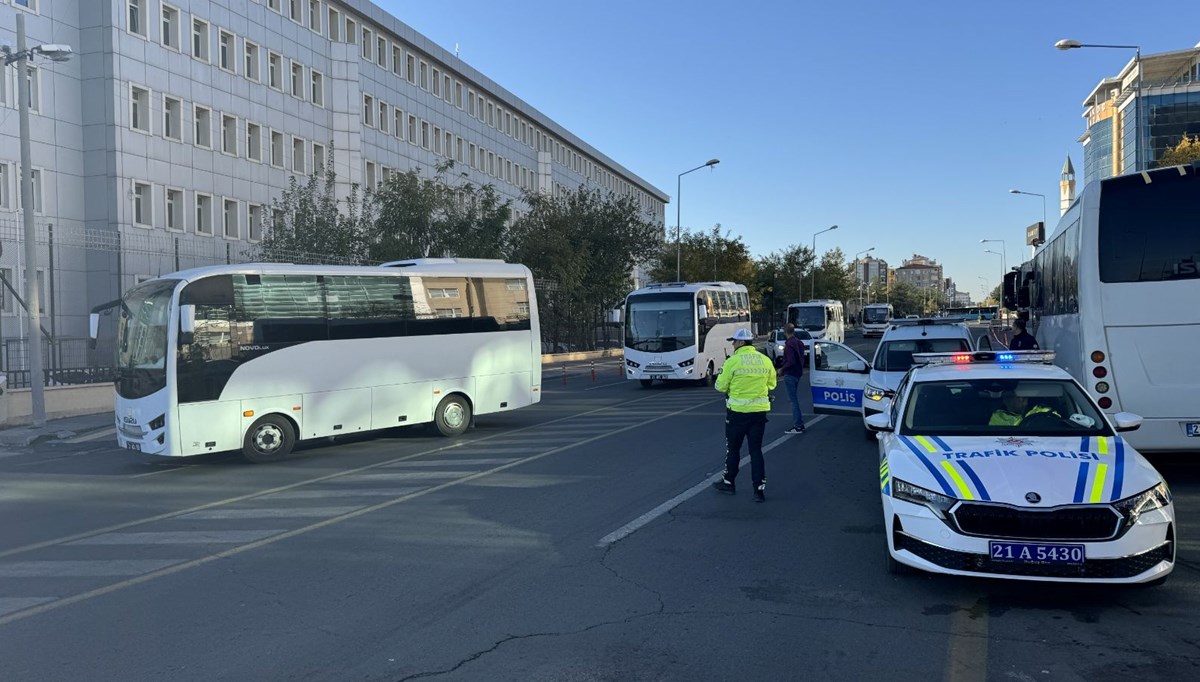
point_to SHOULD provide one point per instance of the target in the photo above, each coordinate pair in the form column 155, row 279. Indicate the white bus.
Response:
column 875, row 318
column 259, row 356
column 679, row 330
column 1114, row 293
column 821, row 318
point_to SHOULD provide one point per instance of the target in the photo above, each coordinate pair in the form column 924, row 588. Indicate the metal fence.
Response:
column 67, row 360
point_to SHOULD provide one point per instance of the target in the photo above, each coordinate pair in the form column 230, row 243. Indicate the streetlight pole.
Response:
column 678, row 204
column 1003, row 270
column 1003, row 256
column 21, row 57
column 1067, row 44
column 864, row 282
column 812, row 292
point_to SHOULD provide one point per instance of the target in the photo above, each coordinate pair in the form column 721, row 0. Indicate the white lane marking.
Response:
column 185, row 537
column 276, row 513
column 634, row 525
column 450, row 462
column 596, row 388
column 404, row 476
column 84, row 569
column 166, row 470
column 10, row 604
column 96, row 435
column 325, row 493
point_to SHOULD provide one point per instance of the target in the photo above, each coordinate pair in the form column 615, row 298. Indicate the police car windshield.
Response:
column 896, row 356
column 990, row 407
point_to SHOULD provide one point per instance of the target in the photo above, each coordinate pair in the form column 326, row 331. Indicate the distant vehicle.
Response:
column 678, row 330
column 259, row 356
column 821, row 318
column 912, row 317
column 1114, row 293
column 776, row 340
column 999, row 465
column 875, row 318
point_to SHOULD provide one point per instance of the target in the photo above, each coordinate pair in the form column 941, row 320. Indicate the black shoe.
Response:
column 760, row 493
column 723, row 486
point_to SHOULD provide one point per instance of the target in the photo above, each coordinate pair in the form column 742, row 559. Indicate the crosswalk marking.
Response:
column 187, row 537
column 83, row 569
column 286, row 513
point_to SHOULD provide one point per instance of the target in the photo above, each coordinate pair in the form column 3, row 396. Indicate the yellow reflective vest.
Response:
column 747, row 377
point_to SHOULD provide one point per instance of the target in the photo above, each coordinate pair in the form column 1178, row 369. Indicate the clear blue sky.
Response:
column 905, row 123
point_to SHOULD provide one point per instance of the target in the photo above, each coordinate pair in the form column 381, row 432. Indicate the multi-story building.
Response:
column 1168, row 97
column 921, row 272
column 163, row 142
column 869, row 271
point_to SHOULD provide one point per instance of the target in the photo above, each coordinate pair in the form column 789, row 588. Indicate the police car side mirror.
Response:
column 1127, row 421
column 858, row 367
column 879, row 422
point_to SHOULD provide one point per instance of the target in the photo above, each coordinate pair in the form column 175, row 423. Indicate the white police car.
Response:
column 1000, row 465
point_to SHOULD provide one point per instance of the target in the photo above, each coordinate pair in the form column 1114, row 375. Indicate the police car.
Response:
column 998, row 464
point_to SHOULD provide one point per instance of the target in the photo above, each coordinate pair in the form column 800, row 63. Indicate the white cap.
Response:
column 742, row 334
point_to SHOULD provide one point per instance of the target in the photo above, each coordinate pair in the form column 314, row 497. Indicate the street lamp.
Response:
column 865, row 282
column 678, row 202
column 812, row 292
column 1003, row 257
column 1003, row 270
column 55, row 53
column 1067, row 44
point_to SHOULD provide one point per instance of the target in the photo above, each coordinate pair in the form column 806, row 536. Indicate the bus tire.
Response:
column 646, row 383
column 453, row 416
column 707, row 379
column 270, row 439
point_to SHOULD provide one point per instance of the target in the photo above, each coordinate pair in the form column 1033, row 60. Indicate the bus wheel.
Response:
column 453, row 416
column 707, row 379
column 270, row 439
column 646, row 383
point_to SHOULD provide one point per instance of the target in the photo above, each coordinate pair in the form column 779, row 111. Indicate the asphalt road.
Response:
column 495, row 557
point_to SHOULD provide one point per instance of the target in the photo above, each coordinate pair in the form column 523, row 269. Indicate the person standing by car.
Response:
column 791, row 371
column 1022, row 340
column 747, row 377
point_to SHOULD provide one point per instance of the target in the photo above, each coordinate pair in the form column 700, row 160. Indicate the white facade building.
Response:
column 162, row 142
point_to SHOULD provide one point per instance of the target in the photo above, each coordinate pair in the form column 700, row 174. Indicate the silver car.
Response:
column 776, row 339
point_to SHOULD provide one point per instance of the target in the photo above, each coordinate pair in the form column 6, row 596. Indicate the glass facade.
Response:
column 1170, row 118
column 1097, row 154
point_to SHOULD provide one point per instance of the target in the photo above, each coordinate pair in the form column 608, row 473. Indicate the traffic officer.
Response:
column 747, row 377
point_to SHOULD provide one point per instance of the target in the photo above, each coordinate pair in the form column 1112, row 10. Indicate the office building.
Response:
column 869, row 271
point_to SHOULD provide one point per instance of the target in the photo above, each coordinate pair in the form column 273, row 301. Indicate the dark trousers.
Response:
column 741, row 426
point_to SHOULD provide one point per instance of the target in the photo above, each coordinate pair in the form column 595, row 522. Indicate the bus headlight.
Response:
column 688, row 363
column 632, row 364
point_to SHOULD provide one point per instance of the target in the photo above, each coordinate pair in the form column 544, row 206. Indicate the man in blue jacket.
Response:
column 790, row 372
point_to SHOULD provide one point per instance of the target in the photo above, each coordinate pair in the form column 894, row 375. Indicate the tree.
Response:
column 307, row 223
column 996, row 296
column 1187, row 151
column 906, row 299
column 706, row 256
column 834, row 281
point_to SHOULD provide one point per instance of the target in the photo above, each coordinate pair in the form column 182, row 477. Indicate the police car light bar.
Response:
column 906, row 322
column 980, row 357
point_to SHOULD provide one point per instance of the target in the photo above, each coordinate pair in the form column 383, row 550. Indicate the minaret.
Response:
column 1066, row 187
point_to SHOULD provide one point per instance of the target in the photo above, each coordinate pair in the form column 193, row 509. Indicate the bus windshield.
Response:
column 660, row 322
column 142, row 339
column 809, row 318
column 875, row 315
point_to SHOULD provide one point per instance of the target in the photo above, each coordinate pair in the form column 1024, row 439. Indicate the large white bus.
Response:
column 259, row 356
column 875, row 318
column 821, row 318
column 1114, row 293
column 678, row 330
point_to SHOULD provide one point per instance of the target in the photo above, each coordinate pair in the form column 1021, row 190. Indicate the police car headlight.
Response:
column 936, row 502
column 1134, row 506
column 874, row 393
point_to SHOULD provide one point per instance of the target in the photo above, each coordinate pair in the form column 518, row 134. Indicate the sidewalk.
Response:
column 56, row 429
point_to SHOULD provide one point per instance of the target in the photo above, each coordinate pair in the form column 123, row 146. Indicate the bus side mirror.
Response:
column 702, row 311
column 93, row 329
column 187, row 324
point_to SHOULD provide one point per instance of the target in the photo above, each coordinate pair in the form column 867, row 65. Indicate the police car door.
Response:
column 837, row 375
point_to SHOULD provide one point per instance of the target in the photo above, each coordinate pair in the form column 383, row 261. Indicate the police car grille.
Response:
column 1072, row 523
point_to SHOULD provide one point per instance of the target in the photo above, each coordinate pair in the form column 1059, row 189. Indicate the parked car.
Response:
column 776, row 339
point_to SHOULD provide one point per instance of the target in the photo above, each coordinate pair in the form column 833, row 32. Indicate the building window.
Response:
column 200, row 39
column 318, row 88
column 437, row 140
column 254, row 215
column 446, row 92
column 5, row 187
column 458, row 94
column 335, row 25
column 296, row 11
column 319, row 159
column 424, row 76
column 143, row 204
column 33, row 80
column 170, row 27
column 174, row 206
column 297, row 80
column 351, row 30
column 368, row 111
column 204, row 206
column 31, row 5
column 398, row 122
column 36, row 178
column 371, row 175
column 7, row 306
column 139, row 108
column 137, row 17
column 491, row 115
column 251, row 68
column 229, row 219
column 424, row 135
column 411, row 64
column 277, row 149
column 383, row 117
column 459, row 156
column 412, row 129
column 437, row 82
column 274, row 71
column 397, row 60
column 471, row 151
column 444, row 292
column 299, row 154
column 381, row 51
column 366, row 44
column 253, row 141
column 314, row 15
column 275, row 5
column 229, row 134
column 470, row 103
column 226, row 43
column 203, row 127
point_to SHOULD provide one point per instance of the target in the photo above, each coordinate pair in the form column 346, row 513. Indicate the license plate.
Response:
column 1037, row 553
column 1193, row 429
column 658, row 376
column 136, row 447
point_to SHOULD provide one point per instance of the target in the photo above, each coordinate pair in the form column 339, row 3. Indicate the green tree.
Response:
column 705, row 257
column 1187, row 151
column 835, row 280
column 307, row 223
column 906, row 299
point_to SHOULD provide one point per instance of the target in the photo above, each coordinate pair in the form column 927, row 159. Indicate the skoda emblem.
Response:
column 1032, row 498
